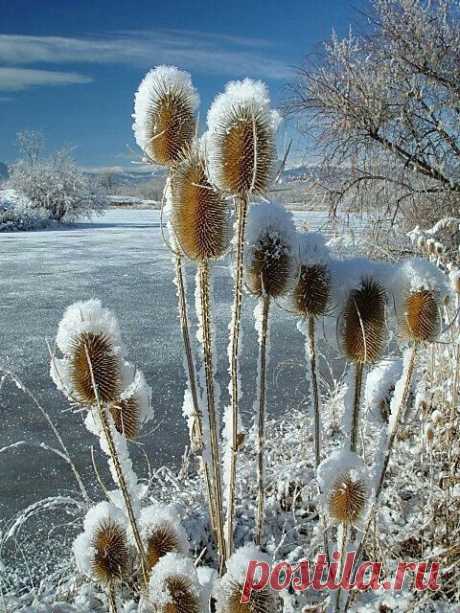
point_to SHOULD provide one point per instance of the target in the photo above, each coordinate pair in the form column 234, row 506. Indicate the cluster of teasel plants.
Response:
column 130, row 547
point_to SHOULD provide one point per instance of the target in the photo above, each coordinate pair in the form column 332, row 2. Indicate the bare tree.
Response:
column 384, row 110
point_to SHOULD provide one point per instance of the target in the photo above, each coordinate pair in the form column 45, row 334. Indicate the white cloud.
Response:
column 16, row 79
column 205, row 53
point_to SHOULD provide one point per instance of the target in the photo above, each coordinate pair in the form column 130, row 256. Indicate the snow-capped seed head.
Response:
column 429, row 435
column 101, row 551
column 133, row 408
column 421, row 242
column 439, row 248
column 347, row 499
column 363, row 322
column 230, row 588
column 241, row 138
column 94, row 369
column 421, row 320
column 174, row 586
column 161, row 533
column 431, row 245
column 164, row 114
column 269, row 263
column 311, row 294
column 200, row 216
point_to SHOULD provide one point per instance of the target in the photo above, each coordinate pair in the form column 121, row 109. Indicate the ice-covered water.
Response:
column 121, row 259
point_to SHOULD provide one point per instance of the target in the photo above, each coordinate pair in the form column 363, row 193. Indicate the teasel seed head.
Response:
column 162, row 540
column 164, row 114
column 269, row 262
column 161, row 533
column 94, row 352
column 200, row 217
column 363, row 322
column 125, row 415
column 111, row 558
column 174, row 586
column 347, row 499
column 311, row 294
column 421, row 318
column 241, row 138
column 230, row 588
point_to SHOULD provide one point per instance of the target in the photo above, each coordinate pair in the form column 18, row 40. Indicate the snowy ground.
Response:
column 121, row 259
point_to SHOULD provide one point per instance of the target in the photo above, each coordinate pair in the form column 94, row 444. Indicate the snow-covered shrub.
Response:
column 56, row 185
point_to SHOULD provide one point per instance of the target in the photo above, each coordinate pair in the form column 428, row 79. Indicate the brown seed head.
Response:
column 269, row 267
column 262, row 601
column 247, row 151
column 125, row 414
column 111, row 559
column 182, row 596
column 421, row 316
column 172, row 125
column 363, row 325
column 347, row 499
column 162, row 540
column 311, row 294
column 98, row 350
column 200, row 217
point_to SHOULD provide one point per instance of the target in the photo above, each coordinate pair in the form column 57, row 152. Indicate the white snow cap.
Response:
column 417, row 274
column 157, row 515
column 273, row 219
column 82, row 547
column 86, row 317
column 339, row 463
column 155, row 83
column 237, row 564
column 171, row 565
column 141, row 392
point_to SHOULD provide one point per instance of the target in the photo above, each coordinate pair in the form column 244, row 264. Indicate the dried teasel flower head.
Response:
column 89, row 337
column 241, row 138
column 312, row 291
column 173, row 587
column 344, row 485
column 271, row 239
column 133, row 408
column 102, row 551
column 230, row 589
column 363, row 322
column 164, row 114
column 421, row 288
column 199, row 214
column 161, row 533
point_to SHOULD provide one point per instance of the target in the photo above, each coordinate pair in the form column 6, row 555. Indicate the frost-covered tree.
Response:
column 54, row 184
column 383, row 108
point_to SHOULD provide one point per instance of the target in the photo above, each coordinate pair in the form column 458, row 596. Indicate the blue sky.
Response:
column 70, row 67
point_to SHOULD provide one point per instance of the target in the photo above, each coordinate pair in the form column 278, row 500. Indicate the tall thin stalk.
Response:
column 356, row 409
column 102, row 412
column 191, row 373
column 391, row 441
column 203, row 272
column 112, row 598
column 262, row 373
column 242, row 210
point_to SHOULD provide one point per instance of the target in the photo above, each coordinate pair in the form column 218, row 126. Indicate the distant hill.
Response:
column 3, row 171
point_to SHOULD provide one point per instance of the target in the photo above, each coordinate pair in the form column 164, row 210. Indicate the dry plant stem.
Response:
column 343, row 552
column 262, row 376
column 191, row 372
column 212, row 415
column 112, row 598
column 359, row 371
column 316, row 413
column 119, row 472
column 397, row 422
column 242, row 207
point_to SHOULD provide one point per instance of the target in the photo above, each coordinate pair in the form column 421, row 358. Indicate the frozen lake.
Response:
column 121, row 259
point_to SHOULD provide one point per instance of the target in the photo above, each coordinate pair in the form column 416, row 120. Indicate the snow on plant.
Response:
column 102, row 551
column 269, row 272
column 240, row 148
column 173, row 586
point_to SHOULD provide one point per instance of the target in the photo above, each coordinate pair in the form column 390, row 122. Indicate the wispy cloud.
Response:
column 204, row 53
column 17, row 79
